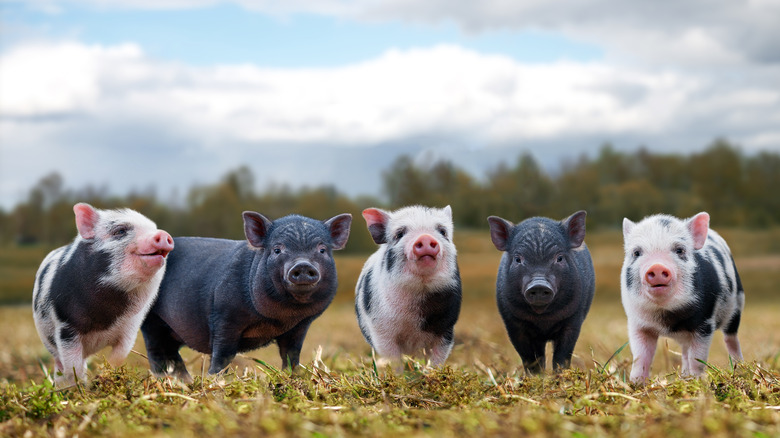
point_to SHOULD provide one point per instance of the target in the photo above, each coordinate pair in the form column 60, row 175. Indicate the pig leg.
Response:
column 440, row 351
column 121, row 349
column 563, row 345
column 732, row 342
column 685, row 368
column 732, row 345
column 74, row 365
column 699, row 350
column 291, row 342
column 225, row 338
column 163, row 350
column 531, row 350
column 643, row 343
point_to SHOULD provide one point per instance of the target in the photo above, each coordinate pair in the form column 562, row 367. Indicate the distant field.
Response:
column 481, row 391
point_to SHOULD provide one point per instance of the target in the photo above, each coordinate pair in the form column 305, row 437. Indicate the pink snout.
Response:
column 658, row 275
column 159, row 244
column 163, row 242
column 426, row 245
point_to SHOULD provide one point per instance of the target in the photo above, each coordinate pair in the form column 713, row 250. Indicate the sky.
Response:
column 130, row 95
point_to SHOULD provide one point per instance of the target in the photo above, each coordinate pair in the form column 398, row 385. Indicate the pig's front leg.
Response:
column 122, row 347
column 225, row 338
column 697, row 354
column 531, row 350
column 643, row 343
column 441, row 350
column 563, row 345
column 74, row 364
column 291, row 342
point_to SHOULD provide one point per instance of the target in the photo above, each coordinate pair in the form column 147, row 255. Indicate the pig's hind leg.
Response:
column 730, row 336
column 162, row 350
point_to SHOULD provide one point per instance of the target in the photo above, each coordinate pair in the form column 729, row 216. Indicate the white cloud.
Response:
column 668, row 81
column 486, row 99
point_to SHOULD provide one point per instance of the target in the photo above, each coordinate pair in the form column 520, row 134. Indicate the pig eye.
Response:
column 277, row 250
column 119, row 231
column 637, row 253
column 322, row 250
column 442, row 231
column 559, row 259
column 518, row 259
column 680, row 251
column 400, row 233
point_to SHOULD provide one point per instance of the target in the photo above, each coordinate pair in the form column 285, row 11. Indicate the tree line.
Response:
column 736, row 189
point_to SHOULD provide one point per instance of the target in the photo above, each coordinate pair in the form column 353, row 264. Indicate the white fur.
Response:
column 70, row 357
column 657, row 244
column 394, row 324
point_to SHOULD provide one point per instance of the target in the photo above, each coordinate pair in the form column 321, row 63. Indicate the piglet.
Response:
column 96, row 291
column 545, row 285
column 678, row 280
column 222, row 297
column 408, row 294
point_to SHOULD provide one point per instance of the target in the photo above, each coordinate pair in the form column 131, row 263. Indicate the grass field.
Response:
column 482, row 390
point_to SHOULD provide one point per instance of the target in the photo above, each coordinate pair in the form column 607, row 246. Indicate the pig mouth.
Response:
column 156, row 258
column 426, row 261
column 659, row 292
column 159, row 252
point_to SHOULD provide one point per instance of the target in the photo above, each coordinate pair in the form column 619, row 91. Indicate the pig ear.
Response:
column 499, row 232
column 339, row 229
column 256, row 227
column 376, row 220
column 699, row 225
column 86, row 219
column 575, row 228
column 448, row 211
column 628, row 226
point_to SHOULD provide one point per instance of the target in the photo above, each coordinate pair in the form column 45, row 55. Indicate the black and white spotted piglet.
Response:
column 96, row 291
column 678, row 280
column 408, row 295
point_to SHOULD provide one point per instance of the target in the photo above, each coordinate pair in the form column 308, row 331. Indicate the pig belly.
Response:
column 258, row 336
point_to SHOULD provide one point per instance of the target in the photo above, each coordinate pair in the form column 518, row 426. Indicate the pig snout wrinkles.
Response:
column 303, row 273
column 539, row 292
column 426, row 245
column 658, row 275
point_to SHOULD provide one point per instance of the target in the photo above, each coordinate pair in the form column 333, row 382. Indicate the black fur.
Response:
column 39, row 280
column 698, row 316
column 440, row 309
column 390, row 258
column 67, row 334
column 79, row 300
column 223, row 296
column 573, row 281
column 368, row 290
